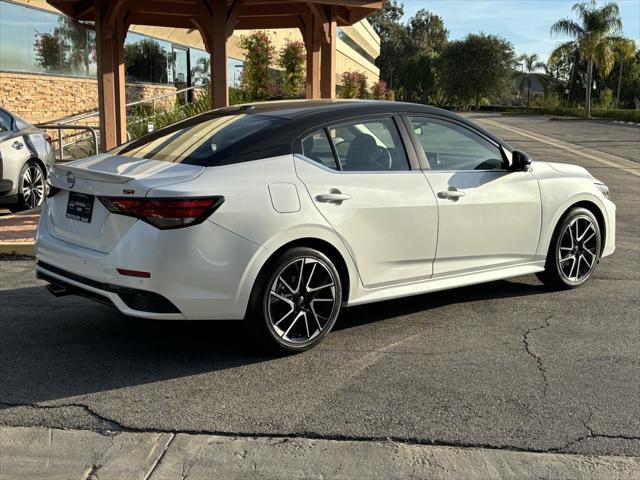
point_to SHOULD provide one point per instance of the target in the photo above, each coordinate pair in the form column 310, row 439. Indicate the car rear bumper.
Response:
column 195, row 273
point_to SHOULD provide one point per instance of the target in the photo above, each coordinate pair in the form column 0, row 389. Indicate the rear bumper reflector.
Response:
column 140, row 300
column 133, row 273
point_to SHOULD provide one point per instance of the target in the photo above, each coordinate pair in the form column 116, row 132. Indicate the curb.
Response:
column 18, row 248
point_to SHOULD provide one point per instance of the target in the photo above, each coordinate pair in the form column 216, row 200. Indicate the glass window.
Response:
column 449, row 146
column 200, row 66
column 316, row 147
column 198, row 141
column 5, row 121
column 33, row 40
column 147, row 59
column 369, row 146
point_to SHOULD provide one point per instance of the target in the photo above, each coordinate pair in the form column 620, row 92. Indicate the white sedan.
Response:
column 282, row 213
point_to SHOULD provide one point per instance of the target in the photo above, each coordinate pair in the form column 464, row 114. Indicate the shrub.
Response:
column 364, row 87
column 350, row 85
column 291, row 60
column 255, row 81
column 379, row 90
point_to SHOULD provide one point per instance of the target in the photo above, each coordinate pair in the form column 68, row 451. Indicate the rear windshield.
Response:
column 199, row 141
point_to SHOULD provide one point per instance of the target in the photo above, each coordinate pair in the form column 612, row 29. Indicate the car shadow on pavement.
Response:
column 366, row 314
column 53, row 348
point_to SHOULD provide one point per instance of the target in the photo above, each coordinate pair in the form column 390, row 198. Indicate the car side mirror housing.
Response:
column 520, row 161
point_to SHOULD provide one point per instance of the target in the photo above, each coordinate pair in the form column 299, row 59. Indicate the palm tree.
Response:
column 531, row 63
column 595, row 36
column 625, row 48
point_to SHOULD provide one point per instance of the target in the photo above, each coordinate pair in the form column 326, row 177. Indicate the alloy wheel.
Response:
column 578, row 249
column 33, row 186
column 301, row 300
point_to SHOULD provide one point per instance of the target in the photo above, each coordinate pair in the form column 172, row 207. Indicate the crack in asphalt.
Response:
column 538, row 359
column 121, row 427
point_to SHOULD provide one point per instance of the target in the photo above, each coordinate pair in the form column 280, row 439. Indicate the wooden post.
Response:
column 219, row 82
column 311, row 35
column 110, row 33
column 328, row 60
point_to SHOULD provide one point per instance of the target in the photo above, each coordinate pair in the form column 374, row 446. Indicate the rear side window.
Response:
column 198, row 143
column 317, row 147
column 5, row 122
column 370, row 146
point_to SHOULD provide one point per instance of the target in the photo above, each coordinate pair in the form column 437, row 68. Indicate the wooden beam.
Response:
column 233, row 15
column 328, row 57
column 320, row 15
column 219, row 87
column 311, row 35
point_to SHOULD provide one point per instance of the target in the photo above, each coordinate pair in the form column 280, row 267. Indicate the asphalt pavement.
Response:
column 506, row 365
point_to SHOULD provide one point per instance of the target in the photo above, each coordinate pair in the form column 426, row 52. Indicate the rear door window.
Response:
column 198, row 142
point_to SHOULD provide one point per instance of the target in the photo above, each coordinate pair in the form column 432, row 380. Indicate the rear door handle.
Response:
column 17, row 145
column 334, row 196
column 451, row 194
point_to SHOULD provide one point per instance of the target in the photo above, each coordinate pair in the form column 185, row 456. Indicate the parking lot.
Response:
column 506, row 365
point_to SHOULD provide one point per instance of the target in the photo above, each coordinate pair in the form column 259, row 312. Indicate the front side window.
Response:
column 369, row 146
column 449, row 146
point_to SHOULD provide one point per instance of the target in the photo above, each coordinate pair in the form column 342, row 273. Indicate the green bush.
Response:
column 615, row 114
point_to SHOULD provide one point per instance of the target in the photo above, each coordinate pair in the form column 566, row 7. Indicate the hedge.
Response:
column 619, row 114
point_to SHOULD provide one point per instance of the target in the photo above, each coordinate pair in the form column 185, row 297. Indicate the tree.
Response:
column 595, row 36
column 67, row 49
column 479, row 66
column 393, row 39
column 625, row 49
column 531, row 63
column 379, row 90
column 351, row 85
column 292, row 61
column 146, row 60
column 256, row 77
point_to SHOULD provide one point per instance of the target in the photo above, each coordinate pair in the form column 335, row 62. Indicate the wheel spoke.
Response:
column 571, row 270
column 300, row 314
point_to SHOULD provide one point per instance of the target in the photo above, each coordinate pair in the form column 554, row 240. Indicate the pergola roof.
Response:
column 248, row 14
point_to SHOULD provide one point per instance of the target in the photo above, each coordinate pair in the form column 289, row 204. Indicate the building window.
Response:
column 353, row 44
column 36, row 41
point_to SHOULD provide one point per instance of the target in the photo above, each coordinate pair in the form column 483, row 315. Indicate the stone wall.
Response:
column 42, row 98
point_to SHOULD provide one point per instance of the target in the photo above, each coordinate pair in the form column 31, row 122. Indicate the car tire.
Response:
column 32, row 187
column 574, row 251
column 295, row 301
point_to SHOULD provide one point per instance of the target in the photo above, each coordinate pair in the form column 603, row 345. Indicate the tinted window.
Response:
column 197, row 142
column 369, row 146
column 449, row 146
column 316, row 147
column 5, row 121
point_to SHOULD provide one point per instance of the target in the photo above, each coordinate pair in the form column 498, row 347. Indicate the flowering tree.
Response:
column 291, row 60
column 256, row 79
column 350, row 85
column 364, row 87
column 379, row 90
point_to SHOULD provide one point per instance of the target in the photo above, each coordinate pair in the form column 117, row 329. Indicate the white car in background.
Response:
column 283, row 213
column 25, row 154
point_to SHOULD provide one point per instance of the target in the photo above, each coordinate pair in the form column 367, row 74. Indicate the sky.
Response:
column 525, row 23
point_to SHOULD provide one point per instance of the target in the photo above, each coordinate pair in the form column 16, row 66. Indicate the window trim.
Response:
column 424, row 162
column 403, row 134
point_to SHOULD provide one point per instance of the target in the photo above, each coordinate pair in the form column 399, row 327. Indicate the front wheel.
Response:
column 574, row 251
column 32, row 188
column 295, row 301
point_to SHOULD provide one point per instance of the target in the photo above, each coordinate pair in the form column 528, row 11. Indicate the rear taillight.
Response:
column 48, row 138
column 164, row 213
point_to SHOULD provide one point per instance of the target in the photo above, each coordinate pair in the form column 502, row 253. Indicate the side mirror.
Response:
column 520, row 161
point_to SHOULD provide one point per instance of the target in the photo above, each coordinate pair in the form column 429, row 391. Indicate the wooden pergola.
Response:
column 216, row 21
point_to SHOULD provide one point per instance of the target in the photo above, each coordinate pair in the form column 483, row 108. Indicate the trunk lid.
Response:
column 106, row 176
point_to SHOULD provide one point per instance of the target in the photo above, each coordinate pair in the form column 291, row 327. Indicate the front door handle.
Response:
column 451, row 194
column 334, row 196
column 17, row 145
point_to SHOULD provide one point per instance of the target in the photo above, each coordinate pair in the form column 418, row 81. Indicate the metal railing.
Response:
column 60, row 139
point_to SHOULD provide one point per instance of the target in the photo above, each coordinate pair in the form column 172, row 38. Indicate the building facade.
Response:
column 48, row 62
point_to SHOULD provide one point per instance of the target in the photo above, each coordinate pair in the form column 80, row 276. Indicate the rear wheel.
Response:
column 32, row 187
column 574, row 251
column 295, row 301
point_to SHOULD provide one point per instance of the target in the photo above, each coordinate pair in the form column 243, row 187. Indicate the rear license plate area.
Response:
column 80, row 207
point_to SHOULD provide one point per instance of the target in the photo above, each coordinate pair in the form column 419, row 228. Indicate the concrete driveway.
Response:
column 506, row 365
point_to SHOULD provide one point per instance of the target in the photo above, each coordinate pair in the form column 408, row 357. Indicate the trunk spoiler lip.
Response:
column 81, row 172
